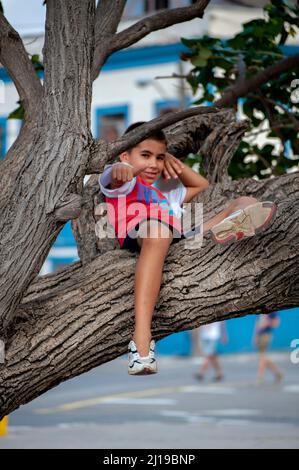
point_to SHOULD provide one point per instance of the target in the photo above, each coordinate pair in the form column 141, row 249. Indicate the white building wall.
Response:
column 120, row 87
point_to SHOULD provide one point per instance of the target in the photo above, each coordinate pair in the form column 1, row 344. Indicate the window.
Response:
column 111, row 122
column 112, row 126
column 150, row 6
column 137, row 8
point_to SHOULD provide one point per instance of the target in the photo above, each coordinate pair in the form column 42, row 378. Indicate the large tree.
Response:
column 61, row 325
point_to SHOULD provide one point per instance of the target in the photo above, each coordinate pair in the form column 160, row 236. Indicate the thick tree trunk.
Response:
column 81, row 317
column 48, row 173
column 84, row 227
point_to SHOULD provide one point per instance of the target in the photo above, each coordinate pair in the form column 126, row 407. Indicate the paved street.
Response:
column 106, row 408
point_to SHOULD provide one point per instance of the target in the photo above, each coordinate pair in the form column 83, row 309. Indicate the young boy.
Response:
column 157, row 184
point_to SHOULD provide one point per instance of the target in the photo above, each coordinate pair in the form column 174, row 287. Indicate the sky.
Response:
column 26, row 16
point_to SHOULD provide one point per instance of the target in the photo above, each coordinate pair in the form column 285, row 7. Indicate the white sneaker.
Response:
column 141, row 365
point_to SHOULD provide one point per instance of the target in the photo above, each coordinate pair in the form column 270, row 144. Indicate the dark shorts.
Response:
column 132, row 245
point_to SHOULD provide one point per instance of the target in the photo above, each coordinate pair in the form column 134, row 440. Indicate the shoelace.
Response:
column 134, row 354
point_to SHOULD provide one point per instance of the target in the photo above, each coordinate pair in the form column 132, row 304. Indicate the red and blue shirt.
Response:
column 137, row 200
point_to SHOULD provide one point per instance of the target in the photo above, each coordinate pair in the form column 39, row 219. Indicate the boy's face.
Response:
column 148, row 151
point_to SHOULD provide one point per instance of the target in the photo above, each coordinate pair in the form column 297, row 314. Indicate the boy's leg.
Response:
column 154, row 239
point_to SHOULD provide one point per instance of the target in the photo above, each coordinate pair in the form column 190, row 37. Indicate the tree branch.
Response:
column 108, row 16
column 219, row 148
column 102, row 152
column 147, row 25
column 241, row 89
column 14, row 58
column 290, row 115
column 77, row 320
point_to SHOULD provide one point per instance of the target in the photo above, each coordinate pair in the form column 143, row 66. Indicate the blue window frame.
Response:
column 165, row 106
column 136, row 8
column 3, row 125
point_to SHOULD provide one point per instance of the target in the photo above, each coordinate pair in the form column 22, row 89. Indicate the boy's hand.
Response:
column 123, row 173
column 172, row 167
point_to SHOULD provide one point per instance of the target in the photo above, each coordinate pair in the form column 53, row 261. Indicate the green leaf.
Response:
column 17, row 113
column 198, row 61
column 191, row 43
column 205, row 53
column 38, row 66
column 35, row 58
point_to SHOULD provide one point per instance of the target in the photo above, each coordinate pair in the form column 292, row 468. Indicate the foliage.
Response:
column 273, row 109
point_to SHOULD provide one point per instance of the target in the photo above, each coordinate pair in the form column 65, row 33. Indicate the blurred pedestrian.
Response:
column 263, row 334
column 209, row 337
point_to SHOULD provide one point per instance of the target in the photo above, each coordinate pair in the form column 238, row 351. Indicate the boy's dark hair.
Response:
column 155, row 135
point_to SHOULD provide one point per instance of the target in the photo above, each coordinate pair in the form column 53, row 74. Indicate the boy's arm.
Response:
column 114, row 188
column 193, row 181
column 118, row 180
column 190, row 177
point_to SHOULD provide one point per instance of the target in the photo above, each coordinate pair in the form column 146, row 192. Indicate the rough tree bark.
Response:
column 58, row 326
column 49, row 172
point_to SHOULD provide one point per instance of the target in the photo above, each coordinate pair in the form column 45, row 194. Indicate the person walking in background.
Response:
column 263, row 334
column 209, row 337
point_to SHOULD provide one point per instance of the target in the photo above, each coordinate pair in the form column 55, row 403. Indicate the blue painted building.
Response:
column 240, row 336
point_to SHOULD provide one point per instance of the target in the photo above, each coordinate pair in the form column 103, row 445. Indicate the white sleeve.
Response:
column 105, row 179
column 175, row 192
column 173, row 189
column 180, row 193
column 176, row 198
